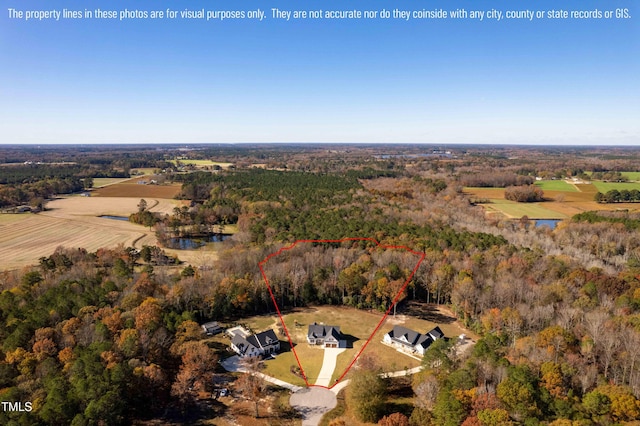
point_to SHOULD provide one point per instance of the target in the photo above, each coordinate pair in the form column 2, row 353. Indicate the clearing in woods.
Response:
column 358, row 324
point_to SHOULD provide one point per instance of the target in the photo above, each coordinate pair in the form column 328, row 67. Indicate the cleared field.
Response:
column 203, row 163
column 357, row 325
column 556, row 185
column 561, row 204
column 632, row 175
column 608, row 186
column 145, row 170
column 100, row 182
column 517, row 210
column 73, row 222
column 132, row 189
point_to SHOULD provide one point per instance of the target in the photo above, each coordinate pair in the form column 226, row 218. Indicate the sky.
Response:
column 514, row 81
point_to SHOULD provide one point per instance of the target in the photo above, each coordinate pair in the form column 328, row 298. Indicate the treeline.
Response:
column 30, row 173
column 524, row 194
column 630, row 221
column 609, row 176
column 618, row 196
column 495, row 179
column 35, row 194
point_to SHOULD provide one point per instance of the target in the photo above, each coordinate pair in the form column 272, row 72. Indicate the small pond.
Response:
column 551, row 223
column 106, row 216
column 190, row 243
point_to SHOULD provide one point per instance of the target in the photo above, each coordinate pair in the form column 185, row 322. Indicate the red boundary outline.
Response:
column 386, row 314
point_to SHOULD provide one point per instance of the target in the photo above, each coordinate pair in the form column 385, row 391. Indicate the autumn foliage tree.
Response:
column 524, row 194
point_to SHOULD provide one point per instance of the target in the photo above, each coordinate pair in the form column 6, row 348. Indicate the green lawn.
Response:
column 356, row 324
column 608, row 186
column 517, row 210
column 556, row 185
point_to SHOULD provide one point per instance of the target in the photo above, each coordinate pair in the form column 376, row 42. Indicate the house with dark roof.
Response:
column 259, row 344
column 410, row 341
column 328, row 336
column 211, row 328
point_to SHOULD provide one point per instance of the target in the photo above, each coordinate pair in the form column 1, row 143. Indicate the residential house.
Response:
column 211, row 328
column 260, row 344
column 411, row 341
column 328, row 336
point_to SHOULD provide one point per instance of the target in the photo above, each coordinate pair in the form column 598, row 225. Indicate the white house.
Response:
column 260, row 344
column 327, row 335
column 411, row 341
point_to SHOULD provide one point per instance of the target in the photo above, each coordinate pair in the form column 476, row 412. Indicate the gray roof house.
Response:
column 328, row 336
column 411, row 341
column 260, row 344
column 211, row 328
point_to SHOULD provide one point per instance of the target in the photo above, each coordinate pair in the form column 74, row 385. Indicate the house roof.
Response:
column 266, row 338
column 436, row 333
column 260, row 340
column 241, row 343
column 408, row 337
column 213, row 325
column 323, row 331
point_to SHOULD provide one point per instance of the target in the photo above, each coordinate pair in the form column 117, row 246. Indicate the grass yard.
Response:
column 556, row 185
column 357, row 325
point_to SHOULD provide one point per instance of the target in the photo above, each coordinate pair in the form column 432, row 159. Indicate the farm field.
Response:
column 561, row 204
column 355, row 323
column 556, row 185
column 632, row 175
column 608, row 186
column 73, row 222
column 132, row 189
column 101, row 182
column 204, row 163
column 515, row 210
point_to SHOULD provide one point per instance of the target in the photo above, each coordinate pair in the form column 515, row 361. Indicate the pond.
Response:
column 190, row 243
column 551, row 223
column 106, row 216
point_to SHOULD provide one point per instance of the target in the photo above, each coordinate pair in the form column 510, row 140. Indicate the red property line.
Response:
column 386, row 314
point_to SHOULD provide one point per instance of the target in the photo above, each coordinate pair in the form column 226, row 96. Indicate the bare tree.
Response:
column 252, row 385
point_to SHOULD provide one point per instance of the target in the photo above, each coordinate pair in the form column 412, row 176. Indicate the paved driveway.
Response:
column 313, row 403
column 328, row 365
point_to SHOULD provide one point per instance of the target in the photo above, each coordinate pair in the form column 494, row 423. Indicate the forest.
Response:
column 112, row 336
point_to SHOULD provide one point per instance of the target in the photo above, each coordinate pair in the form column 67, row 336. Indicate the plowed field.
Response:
column 73, row 222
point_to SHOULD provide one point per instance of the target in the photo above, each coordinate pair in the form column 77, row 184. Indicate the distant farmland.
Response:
column 608, row 186
column 556, row 185
column 73, row 222
column 133, row 189
column 561, row 204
